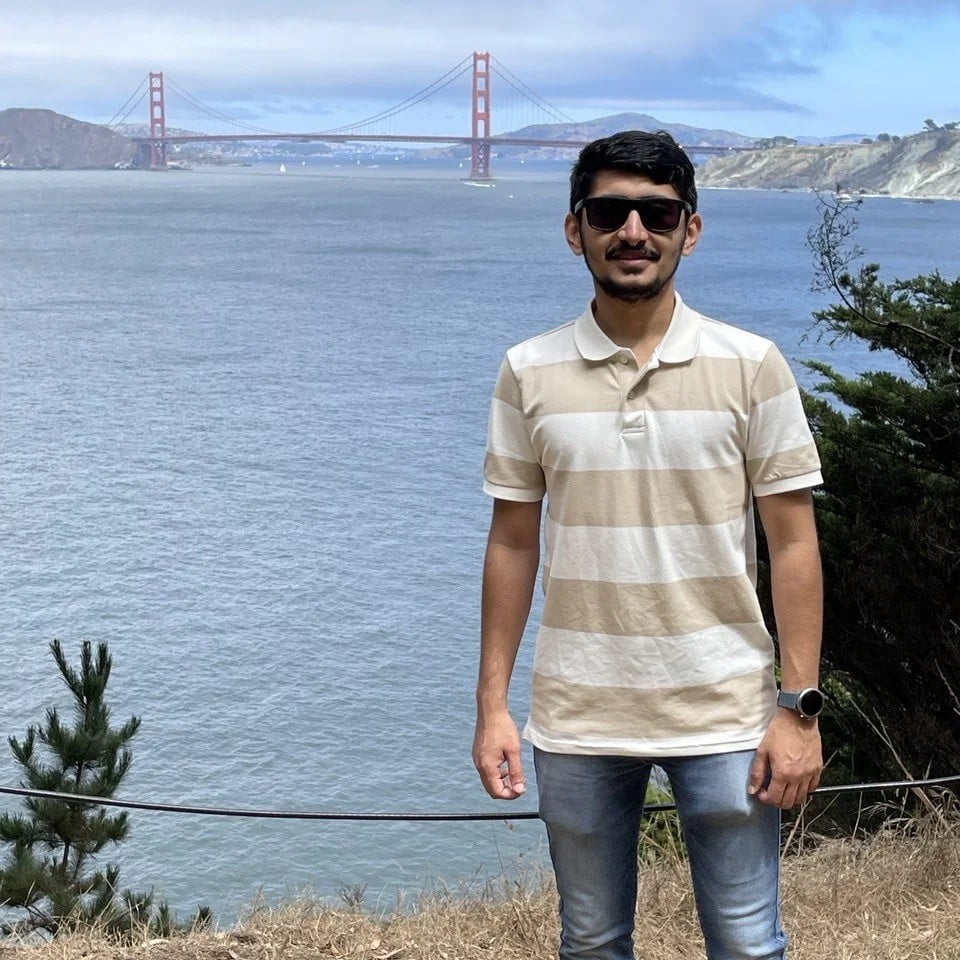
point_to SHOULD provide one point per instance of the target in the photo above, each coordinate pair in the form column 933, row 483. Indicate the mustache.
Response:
column 614, row 252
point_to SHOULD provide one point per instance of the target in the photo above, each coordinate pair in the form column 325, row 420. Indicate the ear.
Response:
column 692, row 233
column 571, row 230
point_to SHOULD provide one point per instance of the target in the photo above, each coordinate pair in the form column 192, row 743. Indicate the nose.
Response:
column 633, row 230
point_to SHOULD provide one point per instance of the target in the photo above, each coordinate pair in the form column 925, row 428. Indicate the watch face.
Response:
column 810, row 703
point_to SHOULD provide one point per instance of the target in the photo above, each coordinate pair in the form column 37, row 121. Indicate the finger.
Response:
column 772, row 793
column 491, row 776
column 515, row 778
column 758, row 773
column 814, row 782
column 788, row 799
column 809, row 786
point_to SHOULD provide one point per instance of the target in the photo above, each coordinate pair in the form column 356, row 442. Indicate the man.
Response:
column 650, row 429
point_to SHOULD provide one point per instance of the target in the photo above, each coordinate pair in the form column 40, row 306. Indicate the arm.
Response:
column 509, row 576
column 790, row 752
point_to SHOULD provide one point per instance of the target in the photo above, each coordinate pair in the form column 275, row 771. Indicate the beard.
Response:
column 634, row 291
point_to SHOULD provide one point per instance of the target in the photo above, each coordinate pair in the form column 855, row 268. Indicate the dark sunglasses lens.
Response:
column 610, row 213
column 660, row 216
column 607, row 213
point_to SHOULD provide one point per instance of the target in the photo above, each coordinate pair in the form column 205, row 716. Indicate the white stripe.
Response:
column 777, row 425
column 516, row 494
column 788, row 485
column 555, row 346
column 697, row 745
column 653, row 663
column 507, row 434
column 722, row 340
column 646, row 554
column 669, row 439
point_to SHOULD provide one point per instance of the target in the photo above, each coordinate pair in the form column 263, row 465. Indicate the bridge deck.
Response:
column 398, row 138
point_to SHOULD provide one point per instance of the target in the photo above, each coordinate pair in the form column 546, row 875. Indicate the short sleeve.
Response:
column 511, row 469
column 781, row 454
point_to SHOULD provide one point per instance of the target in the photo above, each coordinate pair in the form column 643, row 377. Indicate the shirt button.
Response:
column 624, row 357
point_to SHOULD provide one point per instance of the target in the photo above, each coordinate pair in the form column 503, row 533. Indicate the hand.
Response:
column 496, row 755
column 791, row 758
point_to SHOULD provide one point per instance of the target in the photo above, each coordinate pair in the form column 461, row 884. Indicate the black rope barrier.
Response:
column 896, row 785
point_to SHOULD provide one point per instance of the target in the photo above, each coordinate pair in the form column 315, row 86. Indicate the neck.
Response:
column 633, row 325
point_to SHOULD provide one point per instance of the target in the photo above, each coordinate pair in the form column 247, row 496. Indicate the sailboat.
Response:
column 283, row 168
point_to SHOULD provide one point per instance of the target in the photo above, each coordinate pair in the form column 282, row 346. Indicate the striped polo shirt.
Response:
column 652, row 641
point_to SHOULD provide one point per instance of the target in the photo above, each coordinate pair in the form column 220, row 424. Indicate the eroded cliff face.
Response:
column 44, row 140
column 924, row 165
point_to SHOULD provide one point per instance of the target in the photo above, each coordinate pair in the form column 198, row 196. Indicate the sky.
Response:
column 758, row 67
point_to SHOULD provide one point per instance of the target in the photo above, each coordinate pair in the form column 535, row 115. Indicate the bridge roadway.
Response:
column 395, row 138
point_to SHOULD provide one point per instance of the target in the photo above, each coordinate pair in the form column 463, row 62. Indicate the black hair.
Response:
column 655, row 155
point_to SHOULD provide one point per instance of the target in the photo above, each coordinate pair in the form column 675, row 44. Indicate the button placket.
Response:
column 634, row 416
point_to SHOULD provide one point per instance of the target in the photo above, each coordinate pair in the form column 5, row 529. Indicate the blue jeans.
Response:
column 592, row 805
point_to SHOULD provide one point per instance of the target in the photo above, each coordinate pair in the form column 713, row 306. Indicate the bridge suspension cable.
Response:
column 453, row 74
column 514, row 81
column 139, row 94
column 209, row 111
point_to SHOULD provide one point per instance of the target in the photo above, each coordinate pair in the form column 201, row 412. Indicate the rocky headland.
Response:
column 44, row 140
column 923, row 165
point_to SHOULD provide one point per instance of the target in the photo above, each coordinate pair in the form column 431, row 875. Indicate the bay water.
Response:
column 242, row 421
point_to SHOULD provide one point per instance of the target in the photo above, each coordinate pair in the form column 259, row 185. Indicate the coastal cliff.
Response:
column 924, row 165
column 44, row 140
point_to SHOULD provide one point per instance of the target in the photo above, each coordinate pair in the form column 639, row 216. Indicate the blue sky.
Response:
column 759, row 67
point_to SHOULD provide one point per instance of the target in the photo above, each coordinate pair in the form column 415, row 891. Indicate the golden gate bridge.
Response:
column 481, row 140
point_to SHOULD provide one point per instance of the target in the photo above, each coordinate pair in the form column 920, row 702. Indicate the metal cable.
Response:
column 897, row 785
column 412, row 100
column 123, row 119
column 222, row 117
column 529, row 93
column 114, row 120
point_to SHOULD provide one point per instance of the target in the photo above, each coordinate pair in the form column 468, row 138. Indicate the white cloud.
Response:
column 723, row 52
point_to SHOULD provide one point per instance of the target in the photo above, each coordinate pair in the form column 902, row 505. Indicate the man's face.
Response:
column 631, row 263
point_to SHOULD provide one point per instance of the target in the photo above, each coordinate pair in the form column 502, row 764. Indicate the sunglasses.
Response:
column 657, row 214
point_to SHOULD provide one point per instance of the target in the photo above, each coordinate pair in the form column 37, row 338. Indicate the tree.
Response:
column 883, row 138
column 930, row 124
column 889, row 512
column 768, row 143
column 51, row 871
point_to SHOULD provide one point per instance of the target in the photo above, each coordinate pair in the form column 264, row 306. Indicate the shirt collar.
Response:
column 678, row 345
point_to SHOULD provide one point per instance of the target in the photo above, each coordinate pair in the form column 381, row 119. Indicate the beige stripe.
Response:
column 575, row 386
column 784, row 464
column 650, row 609
column 572, row 709
column 647, row 498
column 772, row 378
column 507, row 388
column 508, row 472
column 705, row 383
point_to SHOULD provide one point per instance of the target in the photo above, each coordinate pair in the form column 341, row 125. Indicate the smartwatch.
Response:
column 808, row 702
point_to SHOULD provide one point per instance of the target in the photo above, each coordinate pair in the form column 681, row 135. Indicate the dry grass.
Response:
column 893, row 897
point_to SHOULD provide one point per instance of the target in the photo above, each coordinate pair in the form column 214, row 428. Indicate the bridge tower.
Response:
column 158, row 123
column 480, row 167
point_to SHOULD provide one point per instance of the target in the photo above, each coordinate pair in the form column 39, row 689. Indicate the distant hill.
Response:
column 44, row 140
column 923, row 165
column 601, row 127
column 824, row 141
column 604, row 126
